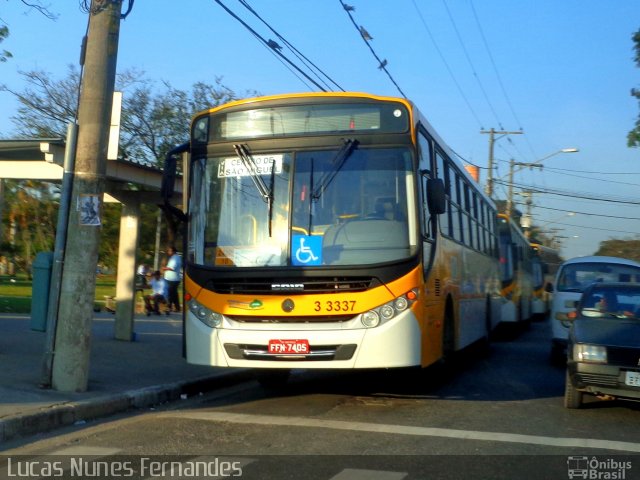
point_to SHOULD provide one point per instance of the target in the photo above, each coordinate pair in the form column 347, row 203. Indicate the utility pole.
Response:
column 70, row 371
column 512, row 165
column 488, row 189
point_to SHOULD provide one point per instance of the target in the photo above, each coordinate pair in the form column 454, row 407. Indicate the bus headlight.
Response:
column 208, row 317
column 370, row 319
column 401, row 304
column 389, row 310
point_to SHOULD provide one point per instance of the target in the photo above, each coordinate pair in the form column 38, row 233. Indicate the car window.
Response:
column 608, row 302
column 576, row 277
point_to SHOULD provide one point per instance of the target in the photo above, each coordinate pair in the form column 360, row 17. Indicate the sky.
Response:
column 560, row 72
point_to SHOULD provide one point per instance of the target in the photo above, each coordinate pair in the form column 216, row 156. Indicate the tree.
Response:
column 633, row 138
column 31, row 219
column 624, row 248
column 153, row 121
column 4, row 33
column 4, row 29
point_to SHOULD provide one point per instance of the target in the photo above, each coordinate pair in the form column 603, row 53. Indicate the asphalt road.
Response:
column 487, row 416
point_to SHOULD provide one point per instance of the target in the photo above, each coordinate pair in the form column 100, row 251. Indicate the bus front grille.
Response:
column 316, row 353
column 276, row 286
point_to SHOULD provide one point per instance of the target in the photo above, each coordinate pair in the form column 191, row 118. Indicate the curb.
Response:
column 65, row 414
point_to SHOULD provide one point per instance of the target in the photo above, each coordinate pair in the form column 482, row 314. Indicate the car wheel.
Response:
column 572, row 396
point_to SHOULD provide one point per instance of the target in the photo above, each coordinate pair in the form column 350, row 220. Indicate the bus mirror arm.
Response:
column 436, row 199
column 170, row 172
column 167, row 188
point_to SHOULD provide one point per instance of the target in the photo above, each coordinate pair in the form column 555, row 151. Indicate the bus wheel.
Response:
column 272, row 379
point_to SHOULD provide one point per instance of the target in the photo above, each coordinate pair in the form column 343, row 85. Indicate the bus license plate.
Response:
column 289, row 347
column 632, row 379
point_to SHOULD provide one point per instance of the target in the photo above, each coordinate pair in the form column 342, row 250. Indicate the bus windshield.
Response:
column 345, row 206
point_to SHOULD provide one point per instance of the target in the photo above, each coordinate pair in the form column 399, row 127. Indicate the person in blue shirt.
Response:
column 172, row 276
column 158, row 293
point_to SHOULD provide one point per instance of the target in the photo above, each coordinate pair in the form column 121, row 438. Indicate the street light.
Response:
column 538, row 162
column 521, row 165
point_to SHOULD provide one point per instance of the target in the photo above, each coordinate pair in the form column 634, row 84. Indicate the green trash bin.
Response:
column 42, row 266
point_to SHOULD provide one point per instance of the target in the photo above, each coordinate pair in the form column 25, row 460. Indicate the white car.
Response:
column 572, row 278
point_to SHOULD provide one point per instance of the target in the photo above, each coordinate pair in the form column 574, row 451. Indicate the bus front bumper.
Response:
column 396, row 343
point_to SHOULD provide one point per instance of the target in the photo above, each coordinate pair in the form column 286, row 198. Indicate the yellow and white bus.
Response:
column 545, row 263
column 332, row 230
column 516, row 266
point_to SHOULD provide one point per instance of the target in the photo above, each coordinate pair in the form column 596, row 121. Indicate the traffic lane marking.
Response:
column 409, row 430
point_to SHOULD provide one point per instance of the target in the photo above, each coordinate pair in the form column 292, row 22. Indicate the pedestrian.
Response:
column 158, row 293
column 140, row 282
column 172, row 273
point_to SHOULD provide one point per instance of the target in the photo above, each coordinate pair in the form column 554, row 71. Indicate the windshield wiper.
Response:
column 337, row 162
column 265, row 192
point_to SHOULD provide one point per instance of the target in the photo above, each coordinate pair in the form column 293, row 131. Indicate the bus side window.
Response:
column 425, row 152
column 443, row 174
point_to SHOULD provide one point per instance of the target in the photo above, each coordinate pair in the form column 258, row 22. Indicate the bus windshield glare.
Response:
column 346, row 206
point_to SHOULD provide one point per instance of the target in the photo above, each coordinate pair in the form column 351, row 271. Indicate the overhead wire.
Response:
column 565, row 193
column 591, row 214
column 382, row 64
column 591, row 172
column 499, row 78
column 493, row 63
column 270, row 47
column 596, row 179
column 472, row 66
column 446, row 64
column 305, row 60
column 591, row 227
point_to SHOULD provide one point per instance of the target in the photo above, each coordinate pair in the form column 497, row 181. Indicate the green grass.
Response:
column 15, row 296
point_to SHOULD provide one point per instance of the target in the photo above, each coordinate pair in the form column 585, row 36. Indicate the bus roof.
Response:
column 287, row 96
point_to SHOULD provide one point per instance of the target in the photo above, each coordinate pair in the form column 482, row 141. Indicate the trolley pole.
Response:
column 70, row 369
column 488, row 189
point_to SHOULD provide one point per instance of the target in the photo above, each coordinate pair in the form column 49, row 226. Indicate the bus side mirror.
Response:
column 548, row 287
column 436, row 199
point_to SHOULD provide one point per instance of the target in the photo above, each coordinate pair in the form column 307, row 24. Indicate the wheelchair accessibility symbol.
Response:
column 306, row 250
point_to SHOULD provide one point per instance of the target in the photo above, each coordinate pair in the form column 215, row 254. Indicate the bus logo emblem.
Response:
column 288, row 305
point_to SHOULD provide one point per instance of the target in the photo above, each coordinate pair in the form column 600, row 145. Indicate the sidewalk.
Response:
column 122, row 375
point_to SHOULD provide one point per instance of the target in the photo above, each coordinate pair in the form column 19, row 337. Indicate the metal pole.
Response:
column 58, row 254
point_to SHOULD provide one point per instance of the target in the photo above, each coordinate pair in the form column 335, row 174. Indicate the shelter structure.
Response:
column 129, row 183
